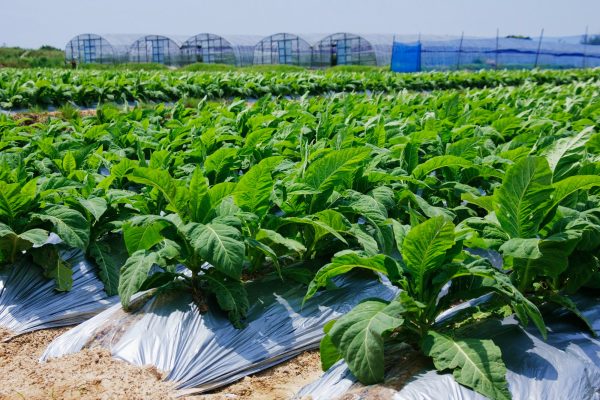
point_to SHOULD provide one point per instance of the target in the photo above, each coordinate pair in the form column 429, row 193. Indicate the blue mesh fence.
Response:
column 506, row 53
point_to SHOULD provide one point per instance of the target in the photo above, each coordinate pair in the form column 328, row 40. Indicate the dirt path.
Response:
column 93, row 374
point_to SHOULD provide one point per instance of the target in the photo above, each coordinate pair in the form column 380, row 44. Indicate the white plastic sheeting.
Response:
column 204, row 351
column 28, row 300
column 566, row 366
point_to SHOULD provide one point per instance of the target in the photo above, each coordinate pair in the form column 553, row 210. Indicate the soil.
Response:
column 280, row 382
column 30, row 118
column 90, row 374
column 94, row 374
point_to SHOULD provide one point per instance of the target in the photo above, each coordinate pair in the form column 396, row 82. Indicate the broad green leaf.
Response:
column 567, row 303
column 345, row 262
column 524, row 197
column 424, row 169
column 565, row 155
column 485, row 202
column 253, row 191
column 424, row 249
column 220, row 191
column 475, row 363
column 231, row 296
column 54, row 267
column 109, row 258
column 143, row 232
column 220, row 245
column 68, row 224
column 359, row 336
column 522, row 248
column 274, row 239
column 133, row 274
column 329, row 353
column 200, row 203
column 68, row 163
column 572, row 184
column 96, row 206
column 162, row 181
column 334, row 170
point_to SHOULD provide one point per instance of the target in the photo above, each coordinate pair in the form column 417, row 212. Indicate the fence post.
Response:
column 497, row 41
column 585, row 41
column 462, row 35
column 537, row 55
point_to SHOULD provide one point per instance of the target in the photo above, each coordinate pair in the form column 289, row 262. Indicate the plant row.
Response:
column 414, row 186
column 47, row 87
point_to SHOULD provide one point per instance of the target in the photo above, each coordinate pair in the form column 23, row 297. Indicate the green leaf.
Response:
column 522, row 248
column 133, row 274
column 523, row 198
column 96, row 206
column 475, row 363
column 200, row 203
column 345, row 262
column 162, row 181
column 220, row 245
column 231, row 296
column 109, row 258
column 359, row 336
column 69, row 225
column 143, row 232
column 275, row 239
column 567, row 303
column 424, row 249
column 54, row 267
column 68, row 163
column 424, row 169
column 565, row 155
column 253, row 191
column 329, row 353
column 334, row 170
column 572, row 184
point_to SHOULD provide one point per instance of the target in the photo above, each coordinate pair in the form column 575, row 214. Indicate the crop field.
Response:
column 448, row 187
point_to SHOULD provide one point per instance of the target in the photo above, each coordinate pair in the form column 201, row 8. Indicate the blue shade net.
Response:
column 490, row 53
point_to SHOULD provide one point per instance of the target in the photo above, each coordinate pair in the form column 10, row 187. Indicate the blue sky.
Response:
column 31, row 23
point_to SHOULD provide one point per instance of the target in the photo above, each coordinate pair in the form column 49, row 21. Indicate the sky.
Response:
column 32, row 23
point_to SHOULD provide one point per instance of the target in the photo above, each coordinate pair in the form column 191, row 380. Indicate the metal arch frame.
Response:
column 218, row 49
column 84, row 41
column 268, row 50
column 152, row 53
column 359, row 46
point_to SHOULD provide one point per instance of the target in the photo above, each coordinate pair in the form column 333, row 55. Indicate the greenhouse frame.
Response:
column 345, row 48
column 156, row 49
column 210, row 48
column 102, row 49
column 283, row 48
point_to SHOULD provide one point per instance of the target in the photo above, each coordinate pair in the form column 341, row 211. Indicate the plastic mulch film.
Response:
column 28, row 300
column 204, row 351
column 566, row 366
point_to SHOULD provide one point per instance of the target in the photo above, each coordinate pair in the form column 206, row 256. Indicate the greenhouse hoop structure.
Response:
column 351, row 49
column 142, row 48
column 283, row 48
column 102, row 49
column 157, row 49
column 210, row 48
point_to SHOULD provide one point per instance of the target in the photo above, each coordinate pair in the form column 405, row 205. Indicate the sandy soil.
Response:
column 93, row 374
column 280, row 382
column 30, row 118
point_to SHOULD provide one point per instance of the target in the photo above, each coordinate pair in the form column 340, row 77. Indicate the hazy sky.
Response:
column 32, row 23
